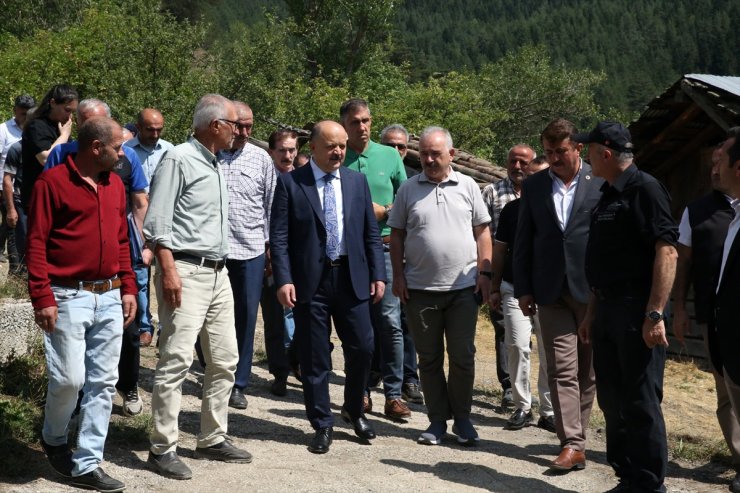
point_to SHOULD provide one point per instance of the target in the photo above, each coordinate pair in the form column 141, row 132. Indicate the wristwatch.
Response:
column 486, row 273
column 654, row 316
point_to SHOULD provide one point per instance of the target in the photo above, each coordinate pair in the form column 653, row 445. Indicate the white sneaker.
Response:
column 132, row 403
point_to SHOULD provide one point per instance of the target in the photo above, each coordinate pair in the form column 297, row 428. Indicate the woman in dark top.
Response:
column 49, row 126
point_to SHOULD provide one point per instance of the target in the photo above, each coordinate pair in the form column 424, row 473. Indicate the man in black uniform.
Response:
column 630, row 265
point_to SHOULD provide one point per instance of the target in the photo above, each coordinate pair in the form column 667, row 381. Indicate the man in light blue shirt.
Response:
column 147, row 144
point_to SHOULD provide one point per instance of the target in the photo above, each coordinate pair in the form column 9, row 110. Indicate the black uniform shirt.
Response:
column 506, row 233
column 631, row 216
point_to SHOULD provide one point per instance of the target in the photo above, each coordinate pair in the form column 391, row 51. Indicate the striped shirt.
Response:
column 250, row 180
column 496, row 196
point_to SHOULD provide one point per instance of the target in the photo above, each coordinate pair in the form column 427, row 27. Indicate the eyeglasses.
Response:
column 234, row 125
column 402, row 147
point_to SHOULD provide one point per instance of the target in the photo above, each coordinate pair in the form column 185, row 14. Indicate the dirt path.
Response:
column 276, row 432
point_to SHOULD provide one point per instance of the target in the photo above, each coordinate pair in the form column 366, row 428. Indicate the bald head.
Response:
column 150, row 124
column 328, row 145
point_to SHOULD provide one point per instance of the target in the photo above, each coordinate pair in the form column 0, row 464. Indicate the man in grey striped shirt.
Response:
column 250, row 181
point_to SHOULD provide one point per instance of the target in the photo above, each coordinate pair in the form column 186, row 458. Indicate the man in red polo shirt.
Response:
column 78, row 258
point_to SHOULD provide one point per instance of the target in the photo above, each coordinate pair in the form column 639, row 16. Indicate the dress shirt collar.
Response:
column 575, row 179
column 318, row 173
column 207, row 155
column 135, row 142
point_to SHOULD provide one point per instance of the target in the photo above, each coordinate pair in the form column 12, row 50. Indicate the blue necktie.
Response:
column 330, row 217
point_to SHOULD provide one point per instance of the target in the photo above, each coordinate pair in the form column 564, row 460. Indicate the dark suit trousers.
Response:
column 334, row 299
column 629, row 383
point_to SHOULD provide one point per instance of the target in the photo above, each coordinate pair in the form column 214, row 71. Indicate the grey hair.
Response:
column 90, row 103
column 392, row 129
column 210, row 107
column 526, row 146
column 433, row 130
column 625, row 157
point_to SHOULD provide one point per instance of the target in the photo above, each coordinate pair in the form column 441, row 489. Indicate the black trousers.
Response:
column 334, row 300
column 629, row 388
column 128, row 365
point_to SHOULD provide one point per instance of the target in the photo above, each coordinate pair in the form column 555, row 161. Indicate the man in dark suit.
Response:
column 549, row 273
column 327, row 260
column 723, row 333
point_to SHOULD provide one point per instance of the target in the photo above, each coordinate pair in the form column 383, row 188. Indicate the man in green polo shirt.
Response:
column 383, row 168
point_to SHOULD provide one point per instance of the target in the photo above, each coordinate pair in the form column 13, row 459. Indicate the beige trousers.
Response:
column 726, row 412
column 207, row 309
column 570, row 370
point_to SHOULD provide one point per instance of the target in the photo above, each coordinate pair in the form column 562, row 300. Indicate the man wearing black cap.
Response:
column 630, row 265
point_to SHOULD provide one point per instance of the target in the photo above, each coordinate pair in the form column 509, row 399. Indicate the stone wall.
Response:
column 18, row 332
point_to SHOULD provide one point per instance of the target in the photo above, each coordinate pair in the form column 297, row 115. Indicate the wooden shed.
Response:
column 674, row 138
column 676, row 133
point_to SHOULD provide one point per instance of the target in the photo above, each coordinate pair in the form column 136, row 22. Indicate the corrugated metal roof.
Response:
column 724, row 82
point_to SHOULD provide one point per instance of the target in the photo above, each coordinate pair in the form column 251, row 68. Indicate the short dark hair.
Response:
column 24, row 101
column 280, row 134
column 557, row 130
column 96, row 128
column 732, row 132
column 352, row 105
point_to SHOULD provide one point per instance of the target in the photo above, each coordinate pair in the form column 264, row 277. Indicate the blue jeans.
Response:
column 386, row 319
column 246, row 283
column 143, row 315
column 82, row 354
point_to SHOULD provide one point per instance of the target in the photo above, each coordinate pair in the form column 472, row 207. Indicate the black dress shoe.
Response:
column 60, row 458
column 237, row 400
column 321, row 441
column 519, row 419
column 98, row 480
column 547, row 423
column 169, row 465
column 225, row 452
column 362, row 426
column 279, row 386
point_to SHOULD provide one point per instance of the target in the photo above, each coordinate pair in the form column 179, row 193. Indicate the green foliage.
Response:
column 130, row 56
column 25, row 376
column 14, row 287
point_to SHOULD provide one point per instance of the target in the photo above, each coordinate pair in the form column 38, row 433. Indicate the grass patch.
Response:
column 698, row 449
column 131, row 431
column 14, row 287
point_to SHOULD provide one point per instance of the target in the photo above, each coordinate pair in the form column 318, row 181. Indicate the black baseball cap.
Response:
column 613, row 135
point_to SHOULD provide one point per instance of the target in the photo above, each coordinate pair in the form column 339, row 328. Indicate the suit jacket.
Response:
column 724, row 336
column 544, row 256
column 298, row 233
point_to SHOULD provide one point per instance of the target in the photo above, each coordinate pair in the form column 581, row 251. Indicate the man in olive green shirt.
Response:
column 383, row 168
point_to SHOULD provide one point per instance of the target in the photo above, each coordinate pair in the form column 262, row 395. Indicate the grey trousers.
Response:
column 570, row 370
column 436, row 318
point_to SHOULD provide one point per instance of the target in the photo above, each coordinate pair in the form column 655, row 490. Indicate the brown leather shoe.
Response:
column 396, row 409
column 569, row 460
column 145, row 339
column 367, row 404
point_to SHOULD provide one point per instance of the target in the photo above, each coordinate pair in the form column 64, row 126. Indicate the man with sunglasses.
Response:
column 384, row 171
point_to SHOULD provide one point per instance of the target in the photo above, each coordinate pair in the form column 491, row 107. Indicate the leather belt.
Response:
column 386, row 239
column 337, row 262
column 93, row 286
column 216, row 265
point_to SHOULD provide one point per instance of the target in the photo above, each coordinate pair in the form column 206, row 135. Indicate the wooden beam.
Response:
column 686, row 116
column 681, row 154
column 706, row 105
